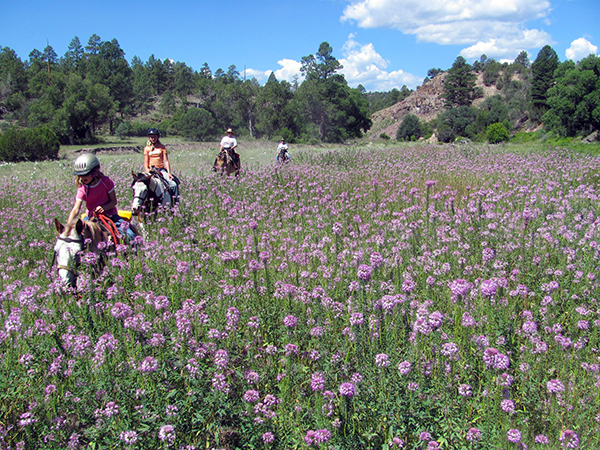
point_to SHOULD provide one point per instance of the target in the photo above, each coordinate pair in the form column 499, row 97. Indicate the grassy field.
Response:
column 362, row 297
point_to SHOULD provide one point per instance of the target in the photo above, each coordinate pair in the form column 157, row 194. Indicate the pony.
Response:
column 149, row 193
column 74, row 238
column 225, row 163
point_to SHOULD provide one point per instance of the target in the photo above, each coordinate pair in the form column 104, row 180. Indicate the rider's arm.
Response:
column 75, row 211
column 111, row 203
column 146, row 162
column 167, row 164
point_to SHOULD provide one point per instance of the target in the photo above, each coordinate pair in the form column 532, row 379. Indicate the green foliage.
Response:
column 459, row 87
column 409, row 129
column 497, row 133
column 542, row 70
column 384, row 136
column 574, row 99
column 526, row 137
column 197, row 124
column 34, row 144
column 491, row 72
column 457, row 122
column 337, row 111
column 382, row 100
column 123, row 130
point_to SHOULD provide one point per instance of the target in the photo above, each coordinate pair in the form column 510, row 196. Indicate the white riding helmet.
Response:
column 85, row 163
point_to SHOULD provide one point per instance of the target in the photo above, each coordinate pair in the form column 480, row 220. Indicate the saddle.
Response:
column 230, row 155
column 164, row 182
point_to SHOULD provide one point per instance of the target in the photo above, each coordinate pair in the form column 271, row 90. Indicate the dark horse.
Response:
column 228, row 162
column 150, row 192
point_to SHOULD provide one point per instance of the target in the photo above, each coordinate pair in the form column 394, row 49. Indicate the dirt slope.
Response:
column 425, row 103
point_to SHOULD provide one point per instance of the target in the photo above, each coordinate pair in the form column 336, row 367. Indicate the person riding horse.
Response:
column 282, row 152
column 155, row 156
column 98, row 192
column 227, row 147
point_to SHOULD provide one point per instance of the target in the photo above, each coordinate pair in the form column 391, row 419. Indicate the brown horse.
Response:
column 75, row 237
column 228, row 162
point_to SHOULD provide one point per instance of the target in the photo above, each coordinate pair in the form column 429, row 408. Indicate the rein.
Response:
column 110, row 226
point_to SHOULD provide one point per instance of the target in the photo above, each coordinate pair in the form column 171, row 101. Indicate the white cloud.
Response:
column 581, row 48
column 507, row 46
column 497, row 25
column 260, row 75
column 363, row 65
column 289, row 69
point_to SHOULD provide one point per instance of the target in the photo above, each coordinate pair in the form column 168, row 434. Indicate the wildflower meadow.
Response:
column 418, row 297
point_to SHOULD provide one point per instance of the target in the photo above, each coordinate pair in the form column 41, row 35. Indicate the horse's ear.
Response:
column 133, row 175
column 79, row 226
column 59, row 226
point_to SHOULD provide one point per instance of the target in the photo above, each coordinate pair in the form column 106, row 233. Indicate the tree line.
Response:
column 93, row 88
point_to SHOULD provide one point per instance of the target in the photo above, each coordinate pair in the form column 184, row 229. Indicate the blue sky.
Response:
column 381, row 43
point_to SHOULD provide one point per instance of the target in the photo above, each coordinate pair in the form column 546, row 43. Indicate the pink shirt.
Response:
column 96, row 194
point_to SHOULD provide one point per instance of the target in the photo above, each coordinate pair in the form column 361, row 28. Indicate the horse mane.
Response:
column 93, row 231
column 141, row 176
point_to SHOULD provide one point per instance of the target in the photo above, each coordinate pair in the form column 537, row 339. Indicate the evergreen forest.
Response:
column 93, row 90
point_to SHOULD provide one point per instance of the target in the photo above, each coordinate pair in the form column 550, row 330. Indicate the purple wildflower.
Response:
column 290, row 321
column 251, row 396
column 268, row 437
column 569, row 439
column 555, row 386
column 513, row 436
column 382, row 360
column 167, row 434
column 347, row 390
column 473, row 434
column 364, row 272
column 404, row 367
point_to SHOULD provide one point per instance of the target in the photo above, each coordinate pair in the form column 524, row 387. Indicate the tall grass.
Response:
column 416, row 297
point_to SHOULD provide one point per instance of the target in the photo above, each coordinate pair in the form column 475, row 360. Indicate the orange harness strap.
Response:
column 110, row 226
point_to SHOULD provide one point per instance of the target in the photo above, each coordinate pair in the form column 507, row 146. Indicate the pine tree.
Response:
column 543, row 77
column 459, row 87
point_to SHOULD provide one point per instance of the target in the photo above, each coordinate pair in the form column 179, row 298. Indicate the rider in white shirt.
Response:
column 282, row 148
column 228, row 142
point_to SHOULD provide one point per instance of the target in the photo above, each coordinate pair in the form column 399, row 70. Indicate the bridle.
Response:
column 143, row 193
column 69, row 240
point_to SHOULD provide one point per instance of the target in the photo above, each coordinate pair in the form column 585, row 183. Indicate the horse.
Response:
column 225, row 163
column 150, row 192
column 74, row 238
column 283, row 157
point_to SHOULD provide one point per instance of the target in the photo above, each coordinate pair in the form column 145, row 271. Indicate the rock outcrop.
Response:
column 425, row 103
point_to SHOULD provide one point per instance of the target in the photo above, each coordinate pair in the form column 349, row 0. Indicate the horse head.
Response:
column 69, row 243
column 140, row 191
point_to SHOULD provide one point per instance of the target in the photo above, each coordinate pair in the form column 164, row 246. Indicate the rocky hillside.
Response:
column 425, row 103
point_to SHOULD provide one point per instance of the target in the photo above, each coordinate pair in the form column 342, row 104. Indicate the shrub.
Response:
column 384, row 136
column 497, row 133
column 33, row 144
column 409, row 128
column 286, row 134
column 197, row 124
column 445, row 134
column 141, row 128
column 123, row 130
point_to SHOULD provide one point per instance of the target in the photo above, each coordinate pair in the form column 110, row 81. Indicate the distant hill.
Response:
column 425, row 103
